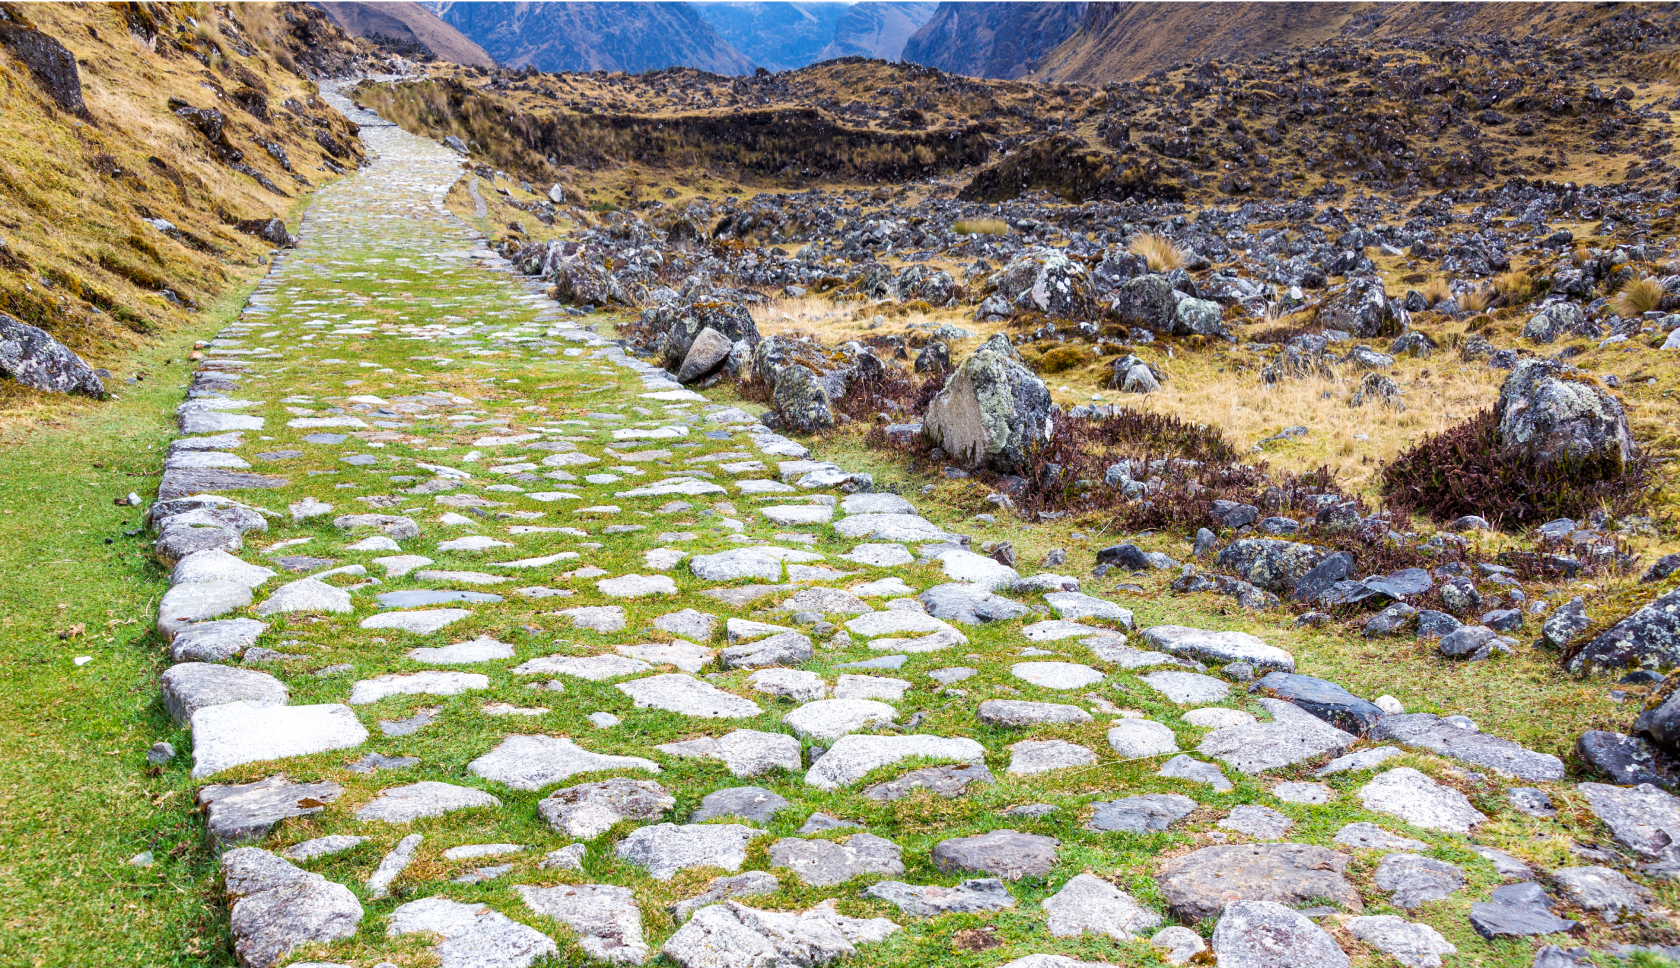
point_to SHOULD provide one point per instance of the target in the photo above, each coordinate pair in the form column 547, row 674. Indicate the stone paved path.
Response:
column 493, row 639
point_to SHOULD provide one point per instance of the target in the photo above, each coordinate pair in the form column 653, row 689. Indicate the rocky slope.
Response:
column 876, row 29
column 992, row 39
column 148, row 151
column 607, row 36
column 407, row 27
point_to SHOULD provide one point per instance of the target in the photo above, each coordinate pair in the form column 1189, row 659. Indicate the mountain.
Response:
column 878, row 30
column 407, row 25
column 994, row 39
column 603, row 36
column 777, row 35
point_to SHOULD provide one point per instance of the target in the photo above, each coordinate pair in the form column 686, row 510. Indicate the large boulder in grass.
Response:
column 773, row 355
column 1363, row 309
column 1148, row 301
column 579, row 282
column 682, row 325
column 1548, row 412
column 33, row 358
column 1647, row 639
column 51, row 64
column 993, row 412
column 801, row 401
column 1046, row 281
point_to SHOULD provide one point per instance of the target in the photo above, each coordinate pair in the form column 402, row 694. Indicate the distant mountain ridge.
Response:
column 409, row 23
column 604, row 36
column 1003, row 40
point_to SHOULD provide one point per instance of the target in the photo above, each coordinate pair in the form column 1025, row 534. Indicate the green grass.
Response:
column 78, row 799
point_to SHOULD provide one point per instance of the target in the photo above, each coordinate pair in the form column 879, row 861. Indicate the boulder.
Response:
column 1558, row 319
column 1647, row 639
column 1363, row 309
column 708, row 352
column 1322, row 698
column 51, row 64
column 993, row 412
column 32, row 357
column 1548, row 411
column 801, row 401
column 1264, row 934
column 1149, row 302
column 1048, row 282
column 277, row 907
column 1270, row 563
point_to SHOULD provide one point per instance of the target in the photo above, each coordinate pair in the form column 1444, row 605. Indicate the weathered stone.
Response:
column 679, row 693
column 1136, row 738
column 305, row 595
column 746, row 884
column 1200, row 884
column 1644, row 819
column 1005, row 853
column 942, row 781
column 969, row 897
column 589, row 810
column 191, row 686
column 1413, row 944
column 1260, row 747
column 1515, row 911
column 277, row 907
column 1014, row 712
column 1322, row 698
column 430, row 682
column 731, row 934
column 215, row 641
column 1262, row 823
column 970, row 604
column 1468, row 745
column 605, row 919
column 429, row 798
column 1183, row 767
column 1649, row 639
column 1219, row 647
column 824, row 863
column 1042, row 756
column 1414, row 879
column 664, row 849
column 745, row 752
column 1270, row 563
column 235, row 733
column 784, row 649
column 1265, row 934
column 471, row 935
column 27, row 354
column 1405, row 793
column 1608, row 892
column 183, row 605
column 1140, row 814
column 992, row 412
column 1090, row 905
column 1545, row 415
column 531, row 762
column 249, row 812
column 755, row 805
column 1369, row 836
column 1188, row 688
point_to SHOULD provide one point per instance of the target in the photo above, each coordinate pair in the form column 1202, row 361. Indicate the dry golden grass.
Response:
column 1515, row 287
column 836, row 322
column 1157, row 251
column 981, row 226
column 1642, row 295
column 1476, row 300
column 1438, row 290
column 1248, row 410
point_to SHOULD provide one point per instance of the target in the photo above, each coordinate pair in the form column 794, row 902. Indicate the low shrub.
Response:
column 1463, row 470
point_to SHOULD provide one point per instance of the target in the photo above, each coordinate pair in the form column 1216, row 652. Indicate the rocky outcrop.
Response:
column 993, row 412
column 1548, row 412
column 33, row 358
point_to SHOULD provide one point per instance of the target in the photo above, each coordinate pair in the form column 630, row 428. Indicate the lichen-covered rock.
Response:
column 1046, row 281
column 993, row 412
column 36, row 360
column 1363, row 309
column 1647, row 639
column 682, row 325
column 1548, row 411
column 1198, row 317
column 1269, row 563
column 51, row 63
column 1149, row 302
column 801, row 402
column 1558, row 319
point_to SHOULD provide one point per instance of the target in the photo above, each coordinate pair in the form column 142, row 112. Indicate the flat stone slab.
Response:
column 970, row 604
column 1261, row 823
column 966, row 566
column 1007, row 854
column 248, row 812
column 1055, row 630
column 1185, row 767
column 322, row 847
column 896, row 622
column 678, row 693
column 1218, row 647
column 277, row 907
column 1517, row 911
column 1138, row 738
column 746, row 884
column 973, row 896
column 879, row 555
column 469, row 933
column 1609, row 893
column 636, row 586
column 1321, row 698
column 1032, row 756
column 1468, row 745
column 604, row 919
column 422, row 622
column 825, row 863
column 214, row 564
column 596, row 618
column 690, row 624
column 1369, row 836
column 876, row 502
column 183, row 605
column 482, row 649
column 216, row 641
column 1315, row 793
column 429, row 798
column 1091, row 905
column 785, row 648
column 664, row 849
column 1076, row 607
column 1216, row 717
column 232, row 734
column 852, row 757
column 746, row 752
column 191, row 686
column 1413, row 880
column 941, row 781
column 595, row 668
column 829, row 719
column 870, row 687
column 531, row 762
column 1643, row 818
column 1260, row 747
column 731, row 933
column 1412, row 943
column 1015, row 712
column 1200, row 884
column 795, row 684
column 893, row 587
column 306, row 595
column 1405, row 793
column 907, row 528
column 1368, row 759
column 430, row 682
column 1056, row 675
column 1264, row 934
column 736, row 564
column 756, row 805
column 589, row 810
column 827, row 601
column 1187, row 688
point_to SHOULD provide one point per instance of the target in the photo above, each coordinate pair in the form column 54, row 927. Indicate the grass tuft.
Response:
column 980, row 226
column 1158, row 251
column 1642, row 295
column 1438, row 290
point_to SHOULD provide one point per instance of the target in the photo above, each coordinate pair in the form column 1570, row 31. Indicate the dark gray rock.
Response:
column 247, row 812
column 1320, row 578
column 969, row 604
column 781, row 649
column 1140, row 814
column 1434, row 625
column 1464, row 642
column 1503, row 619
column 1230, row 514
column 801, row 401
column 1147, row 301
column 943, row 781
column 1362, row 309
column 753, row 804
column 1627, row 760
column 1415, row 880
column 1270, row 563
column 1515, row 911
column 1545, row 414
column 1660, row 569
column 1007, row 854
column 1460, row 596
column 1200, row 884
column 1392, row 620
column 682, row 326
column 708, row 352
column 1322, row 698
column 1532, row 801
